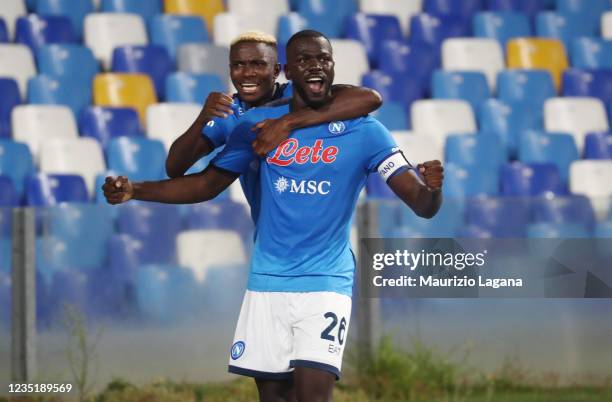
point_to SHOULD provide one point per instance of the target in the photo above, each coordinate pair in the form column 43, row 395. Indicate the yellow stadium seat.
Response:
column 207, row 9
column 131, row 90
column 547, row 54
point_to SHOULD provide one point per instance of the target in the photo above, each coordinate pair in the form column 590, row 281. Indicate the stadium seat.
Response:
column 327, row 17
column 591, row 53
column 218, row 214
column 192, row 88
column 173, row 31
column 104, row 123
column 439, row 118
column 565, row 27
column 501, row 26
column 129, row 90
column 469, row 181
column 32, row 124
column 593, row 83
column 66, row 90
column 528, row 7
column 152, row 60
column 463, row 9
column 527, row 86
column 446, row 223
column 430, row 30
column 21, row 68
column 392, row 115
column 67, row 60
column 539, row 53
column 264, row 21
column 228, row 26
column 530, row 180
column 484, row 151
column 372, row 30
column 206, row 9
column 81, row 156
column 9, row 99
column 10, row 10
column 167, row 121
column 34, row 31
column 145, row 8
column 587, row 177
column 557, row 148
column 4, row 38
column 68, row 286
column 603, row 230
column 503, row 217
column 565, row 209
column 598, row 146
column 557, row 231
column 398, row 88
column 105, row 31
column 577, row 116
column 288, row 25
column 508, row 120
column 402, row 10
column 416, row 60
column 74, row 10
column 8, row 195
column 470, row 86
column 138, row 158
column 16, row 163
column 606, row 25
column 589, row 11
column 377, row 189
column 198, row 58
column 418, row 148
column 474, row 54
column 351, row 61
column 156, row 226
column 43, row 190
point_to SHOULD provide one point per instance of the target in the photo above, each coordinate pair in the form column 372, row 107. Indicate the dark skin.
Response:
column 254, row 69
column 311, row 67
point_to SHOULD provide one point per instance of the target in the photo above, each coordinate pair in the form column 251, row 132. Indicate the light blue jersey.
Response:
column 309, row 188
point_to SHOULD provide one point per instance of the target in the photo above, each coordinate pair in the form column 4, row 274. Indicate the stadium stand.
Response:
column 34, row 31
column 60, row 90
column 403, row 10
column 432, row 31
column 206, row 9
column 3, row 32
column 200, row 58
column 501, row 26
column 565, row 27
column 152, row 60
column 439, row 118
column 21, row 68
column 173, row 31
column 266, row 21
column 129, row 90
column 10, row 10
column 145, row 8
column 589, row 177
column 327, row 17
column 104, row 123
column 372, row 31
column 598, row 146
column 351, row 61
column 395, row 87
column 67, row 60
column 528, row 7
column 474, row 54
column 585, row 83
column 470, row 86
column 462, row 9
column 484, row 151
column 9, row 99
column 74, row 10
column 418, row 148
column 193, row 88
column 591, row 53
column 166, row 121
column 539, row 53
column 539, row 147
column 461, row 182
column 16, row 163
column 533, row 86
column 392, row 115
column 606, row 25
column 137, row 157
column 530, row 180
column 44, row 189
column 415, row 60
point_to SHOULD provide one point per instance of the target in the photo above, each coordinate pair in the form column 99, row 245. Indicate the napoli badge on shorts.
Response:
column 237, row 350
column 336, row 127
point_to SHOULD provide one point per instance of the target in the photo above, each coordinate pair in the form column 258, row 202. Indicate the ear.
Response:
column 287, row 73
column 277, row 70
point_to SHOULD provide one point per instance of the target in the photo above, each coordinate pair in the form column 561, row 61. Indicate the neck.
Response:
column 298, row 102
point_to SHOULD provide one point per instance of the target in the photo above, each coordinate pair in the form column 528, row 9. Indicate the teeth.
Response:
column 249, row 85
column 314, row 80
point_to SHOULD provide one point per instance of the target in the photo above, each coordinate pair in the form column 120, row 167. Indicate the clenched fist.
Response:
column 270, row 133
column 117, row 190
column 432, row 173
column 217, row 105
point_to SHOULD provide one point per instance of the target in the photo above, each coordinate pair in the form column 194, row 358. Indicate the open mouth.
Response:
column 249, row 88
column 315, row 84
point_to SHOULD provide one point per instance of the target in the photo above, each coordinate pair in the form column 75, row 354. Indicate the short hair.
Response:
column 255, row 36
column 307, row 33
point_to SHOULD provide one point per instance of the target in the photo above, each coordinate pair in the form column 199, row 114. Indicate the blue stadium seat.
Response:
column 5, row 255
column 502, row 217
column 327, row 17
column 469, row 181
column 392, row 115
column 67, row 60
column 9, row 99
column 402, row 89
column 501, row 26
column 598, row 146
column 35, row 31
column 534, row 86
column 75, row 10
column 195, row 88
column 152, row 294
column 8, row 196
column 565, row 27
column 155, row 226
column 430, row 30
column 567, row 209
column 152, row 60
column 376, row 188
column 529, row 180
column 372, row 30
column 416, row 60
column 222, row 214
column 528, row 7
column 68, row 286
column 473, row 232
column 446, row 223
column 458, row 8
column 172, row 31
column 603, row 230
column 594, row 83
column 3, row 32
column 51, row 189
column 138, row 158
column 145, row 8
column 104, row 123
column 470, row 86
column 507, row 120
column 288, row 25
column 16, row 163
column 64, row 90
column 589, row 11
column 540, row 147
column 592, row 53
column 466, row 150
column 557, row 230
column 6, row 298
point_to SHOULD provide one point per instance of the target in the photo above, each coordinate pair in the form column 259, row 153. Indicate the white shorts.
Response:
column 278, row 331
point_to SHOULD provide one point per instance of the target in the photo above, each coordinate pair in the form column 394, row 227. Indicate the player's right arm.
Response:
column 192, row 145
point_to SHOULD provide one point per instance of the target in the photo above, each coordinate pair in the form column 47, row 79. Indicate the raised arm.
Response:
column 189, row 189
column 348, row 102
column 192, row 145
column 425, row 198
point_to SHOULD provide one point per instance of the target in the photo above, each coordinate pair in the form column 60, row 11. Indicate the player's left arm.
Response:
column 348, row 102
column 424, row 196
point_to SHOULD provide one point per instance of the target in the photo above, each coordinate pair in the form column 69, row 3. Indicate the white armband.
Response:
column 394, row 164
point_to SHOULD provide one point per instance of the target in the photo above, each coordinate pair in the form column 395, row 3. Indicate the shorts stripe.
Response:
column 316, row 365
column 260, row 374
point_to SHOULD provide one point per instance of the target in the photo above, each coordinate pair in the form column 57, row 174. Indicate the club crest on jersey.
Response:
column 289, row 152
column 237, row 350
column 336, row 127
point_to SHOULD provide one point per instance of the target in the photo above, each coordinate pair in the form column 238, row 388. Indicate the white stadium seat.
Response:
column 440, row 117
column 81, row 156
column 252, row 10
column 606, row 25
column 473, row 54
column 201, row 250
column 351, row 61
column 592, row 178
column 10, row 10
column 202, row 58
column 32, row 124
column 418, row 148
column 403, row 9
column 575, row 115
column 167, row 121
column 17, row 62
column 103, row 32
